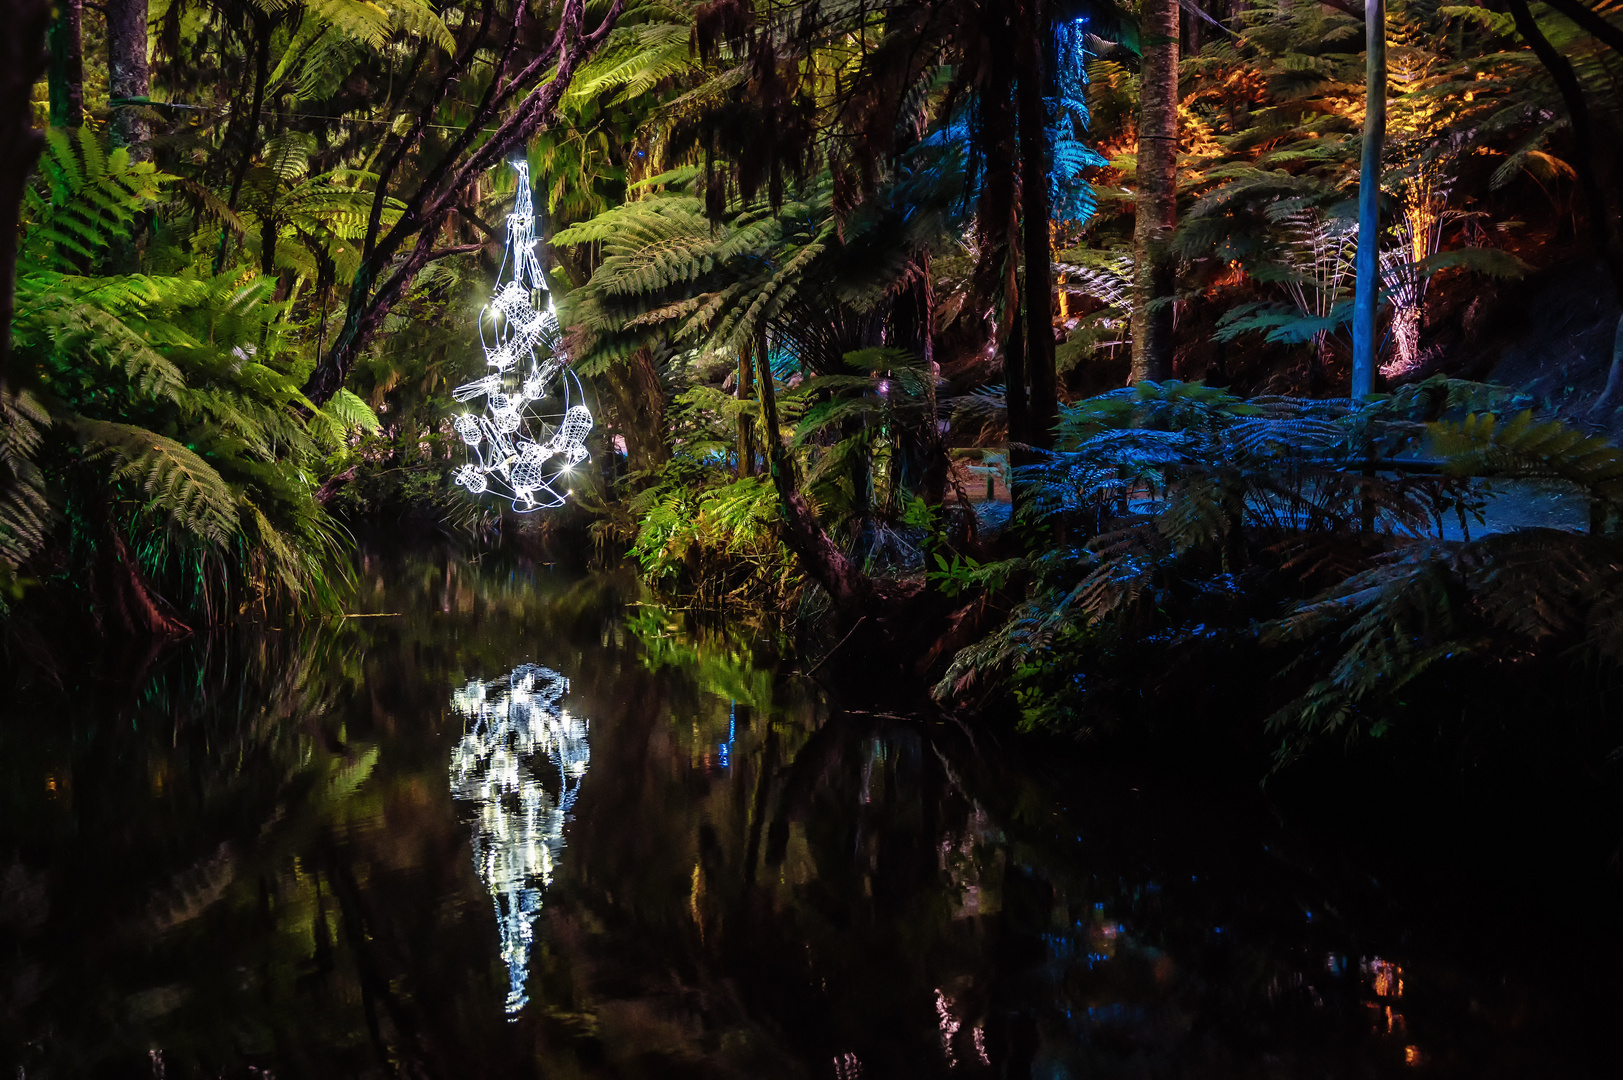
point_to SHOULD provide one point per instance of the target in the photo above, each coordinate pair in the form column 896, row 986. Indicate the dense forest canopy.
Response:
column 1067, row 358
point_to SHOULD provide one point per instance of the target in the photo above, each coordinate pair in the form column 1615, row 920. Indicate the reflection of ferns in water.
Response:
column 518, row 833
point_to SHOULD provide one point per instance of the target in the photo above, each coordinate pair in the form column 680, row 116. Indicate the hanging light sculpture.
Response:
column 515, row 451
column 517, row 730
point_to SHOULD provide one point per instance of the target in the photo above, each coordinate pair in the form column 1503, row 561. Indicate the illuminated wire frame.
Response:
column 531, row 467
column 518, row 730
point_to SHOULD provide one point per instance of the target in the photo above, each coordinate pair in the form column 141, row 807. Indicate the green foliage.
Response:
column 967, row 574
column 715, row 546
column 178, row 485
column 1502, row 598
column 25, row 514
column 88, row 200
column 814, row 282
column 177, row 425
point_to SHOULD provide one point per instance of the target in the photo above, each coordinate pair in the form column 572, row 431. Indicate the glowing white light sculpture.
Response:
column 515, row 724
column 531, row 468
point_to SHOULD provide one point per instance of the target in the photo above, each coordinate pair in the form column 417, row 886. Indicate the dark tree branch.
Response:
column 438, row 194
column 447, row 252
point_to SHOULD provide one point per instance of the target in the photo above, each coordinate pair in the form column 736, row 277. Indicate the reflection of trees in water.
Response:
column 518, row 833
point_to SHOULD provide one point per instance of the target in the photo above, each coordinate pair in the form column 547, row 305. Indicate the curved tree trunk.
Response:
column 1155, row 211
column 849, row 588
column 128, row 80
column 1366, row 291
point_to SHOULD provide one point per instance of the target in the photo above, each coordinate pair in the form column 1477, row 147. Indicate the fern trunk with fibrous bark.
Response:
column 639, row 405
column 128, row 75
column 997, row 211
column 393, row 258
column 1155, row 208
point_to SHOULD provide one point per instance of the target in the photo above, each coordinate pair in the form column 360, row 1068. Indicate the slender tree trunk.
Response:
column 67, row 74
column 1014, row 376
column 1366, row 289
column 746, row 427
column 22, row 57
column 1034, row 167
column 128, row 81
column 1155, row 211
column 849, row 588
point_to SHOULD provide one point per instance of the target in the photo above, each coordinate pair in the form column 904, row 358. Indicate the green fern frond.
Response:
column 181, row 487
column 1525, row 448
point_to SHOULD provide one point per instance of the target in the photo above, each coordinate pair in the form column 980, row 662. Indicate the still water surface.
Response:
column 523, row 825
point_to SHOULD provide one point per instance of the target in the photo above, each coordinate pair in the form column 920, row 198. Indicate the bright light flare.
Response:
column 506, row 455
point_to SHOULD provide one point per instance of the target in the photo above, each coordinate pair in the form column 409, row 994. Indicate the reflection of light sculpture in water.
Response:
column 518, row 835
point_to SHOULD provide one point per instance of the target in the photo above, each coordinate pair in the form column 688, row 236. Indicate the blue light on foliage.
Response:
column 1070, row 195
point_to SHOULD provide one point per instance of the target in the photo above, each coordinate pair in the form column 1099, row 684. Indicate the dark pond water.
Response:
column 529, row 826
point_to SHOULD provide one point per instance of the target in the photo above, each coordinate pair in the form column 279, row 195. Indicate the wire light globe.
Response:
column 515, row 451
column 519, row 765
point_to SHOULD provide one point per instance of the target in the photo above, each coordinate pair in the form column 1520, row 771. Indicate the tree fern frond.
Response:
column 180, row 487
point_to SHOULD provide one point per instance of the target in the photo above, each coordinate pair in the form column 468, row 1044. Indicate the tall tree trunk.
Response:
column 1014, row 376
column 1366, row 289
column 22, row 57
column 997, row 208
column 128, row 81
column 1155, row 212
column 67, row 73
column 1044, row 401
column 746, row 427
